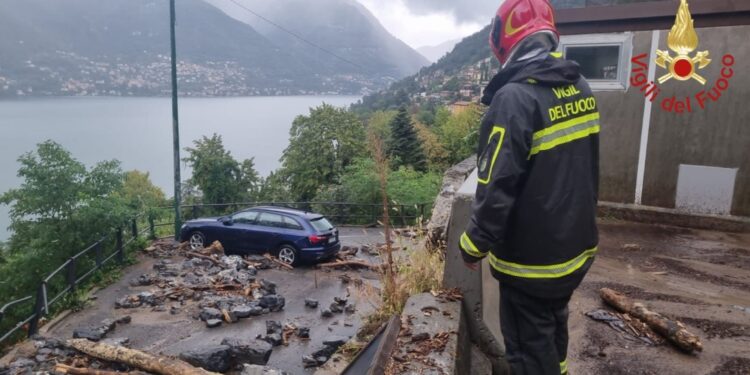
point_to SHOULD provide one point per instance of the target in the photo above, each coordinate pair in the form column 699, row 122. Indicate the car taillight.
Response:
column 316, row 239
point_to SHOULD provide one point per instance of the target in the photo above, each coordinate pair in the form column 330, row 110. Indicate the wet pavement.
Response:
column 701, row 278
column 164, row 333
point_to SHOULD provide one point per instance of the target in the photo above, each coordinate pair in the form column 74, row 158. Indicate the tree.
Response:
column 437, row 157
column 459, row 133
column 452, row 85
column 60, row 208
column 273, row 189
column 321, row 145
column 251, row 180
column 140, row 193
column 379, row 123
column 404, row 145
column 219, row 177
column 59, row 197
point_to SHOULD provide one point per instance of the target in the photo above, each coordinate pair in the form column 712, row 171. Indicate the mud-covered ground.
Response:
column 700, row 278
column 171, row 334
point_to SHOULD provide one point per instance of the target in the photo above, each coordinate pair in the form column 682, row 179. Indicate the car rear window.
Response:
column 321, row 224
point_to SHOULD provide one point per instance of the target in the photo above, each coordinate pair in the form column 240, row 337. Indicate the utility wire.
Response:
column 292, row 33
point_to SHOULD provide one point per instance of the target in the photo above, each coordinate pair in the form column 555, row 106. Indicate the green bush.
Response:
column 359, row 185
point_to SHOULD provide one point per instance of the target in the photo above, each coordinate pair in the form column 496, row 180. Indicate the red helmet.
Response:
column 517, row 19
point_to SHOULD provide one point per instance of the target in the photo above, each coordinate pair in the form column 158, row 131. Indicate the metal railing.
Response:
column 72, row 275
column 339, row 213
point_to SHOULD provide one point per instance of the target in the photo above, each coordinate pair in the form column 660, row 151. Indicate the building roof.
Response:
column 600, row 16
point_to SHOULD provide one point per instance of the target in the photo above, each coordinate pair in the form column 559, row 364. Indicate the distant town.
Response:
column 111, row 77
column 457, row 91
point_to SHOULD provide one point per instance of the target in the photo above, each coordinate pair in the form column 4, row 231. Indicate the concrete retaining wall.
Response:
column 482, row 320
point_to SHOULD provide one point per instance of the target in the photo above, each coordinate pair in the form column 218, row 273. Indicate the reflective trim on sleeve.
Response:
column 557, row 55
column 552, row 271
column 564, row 367
column 468, row 246
column 565, row 132
column 495, row 131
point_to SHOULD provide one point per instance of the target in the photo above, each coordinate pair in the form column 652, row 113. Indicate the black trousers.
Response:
column 535, row 332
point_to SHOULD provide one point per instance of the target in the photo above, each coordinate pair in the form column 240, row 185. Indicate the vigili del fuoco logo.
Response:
column 684, row 66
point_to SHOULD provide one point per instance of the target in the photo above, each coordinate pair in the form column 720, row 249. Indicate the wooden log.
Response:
column 227, row 317
column 215, row 249
column 273, row 259
column 65, row 369
column 287, row 333
column 349, row 263
column 137, row 359
column 673, row 330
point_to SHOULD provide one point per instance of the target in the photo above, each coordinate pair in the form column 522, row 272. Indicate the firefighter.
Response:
column 534, row 214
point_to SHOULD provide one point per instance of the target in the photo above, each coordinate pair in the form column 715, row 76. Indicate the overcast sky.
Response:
column 430, row 22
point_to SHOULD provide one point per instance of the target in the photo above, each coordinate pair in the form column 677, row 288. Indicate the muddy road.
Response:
column 701, row 278
column 162, row 332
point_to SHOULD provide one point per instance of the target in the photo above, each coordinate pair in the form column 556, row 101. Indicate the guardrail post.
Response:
column 120, row 250
column 134, row 228
column 195, row 212
column 71, row 274
column 421, row 210
column 98, row 252
column 38, row 308
column 152, row 227
column 403, row 218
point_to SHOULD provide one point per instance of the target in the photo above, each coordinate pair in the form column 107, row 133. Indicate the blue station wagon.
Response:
column 292, row 235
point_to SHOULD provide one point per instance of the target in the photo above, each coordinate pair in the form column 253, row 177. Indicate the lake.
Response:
column 138, row 131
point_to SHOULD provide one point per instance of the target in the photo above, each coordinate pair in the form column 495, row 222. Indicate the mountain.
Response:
column 344, row 27
column 465, row 69
column 434, row 53
column 121, row 47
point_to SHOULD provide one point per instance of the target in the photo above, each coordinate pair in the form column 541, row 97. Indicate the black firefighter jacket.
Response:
column 534, row 213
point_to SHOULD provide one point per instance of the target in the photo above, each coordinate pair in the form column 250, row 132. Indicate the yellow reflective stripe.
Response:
column 542, row 272
column 468, row 246
column 557, row 55
column 564, row 367
column 566, row 124
column 496, row 130
column 594, row 129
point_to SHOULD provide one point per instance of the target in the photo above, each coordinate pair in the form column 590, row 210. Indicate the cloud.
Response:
column 463, row 11
column 420, row 29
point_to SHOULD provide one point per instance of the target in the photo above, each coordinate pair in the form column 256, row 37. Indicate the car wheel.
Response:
column 197, row 241
column 288, row 254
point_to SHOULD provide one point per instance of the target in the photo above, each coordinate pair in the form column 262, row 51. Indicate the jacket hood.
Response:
column 547, row 71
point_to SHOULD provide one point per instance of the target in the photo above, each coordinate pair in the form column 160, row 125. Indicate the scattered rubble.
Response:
column 53, row 356
column 226, row 286
column 428, row 338
column 212, row 358
column 208, row 286
column 261, row 370
column 321, row 356
column 98, row 333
